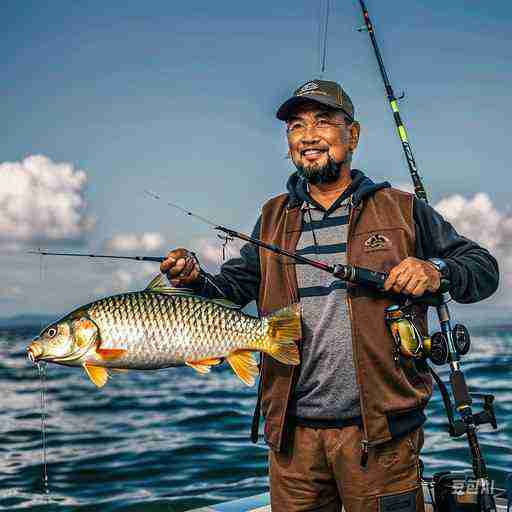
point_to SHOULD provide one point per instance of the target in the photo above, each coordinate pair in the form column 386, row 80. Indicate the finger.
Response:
column 392, row 277
column 192, row 277
column 402, row 281
column 177, row 269
column 412, row 284
column 419, row 290
column 171, row 258
column 189, row 266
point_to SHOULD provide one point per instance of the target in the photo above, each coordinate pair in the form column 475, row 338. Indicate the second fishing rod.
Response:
column 447, row 337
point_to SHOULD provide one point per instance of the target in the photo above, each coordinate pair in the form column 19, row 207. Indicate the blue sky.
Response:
column 180, row 97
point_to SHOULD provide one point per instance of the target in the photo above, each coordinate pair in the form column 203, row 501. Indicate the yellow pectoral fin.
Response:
column 204, row 365
column 244, row 366
column 109, row 354
column 97, row 374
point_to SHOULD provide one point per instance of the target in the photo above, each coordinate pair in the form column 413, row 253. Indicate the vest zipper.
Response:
column 364, row 442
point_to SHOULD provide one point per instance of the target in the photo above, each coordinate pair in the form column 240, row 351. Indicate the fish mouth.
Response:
column 34, row 352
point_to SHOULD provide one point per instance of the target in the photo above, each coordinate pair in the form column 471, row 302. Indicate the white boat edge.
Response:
column 261, row 503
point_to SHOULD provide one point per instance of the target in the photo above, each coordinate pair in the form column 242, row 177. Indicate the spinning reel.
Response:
column 410, row 343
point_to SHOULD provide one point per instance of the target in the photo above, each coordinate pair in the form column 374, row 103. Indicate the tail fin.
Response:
column 284, row 327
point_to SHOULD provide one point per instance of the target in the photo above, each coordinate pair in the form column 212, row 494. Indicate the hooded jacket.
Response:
column 392, row 399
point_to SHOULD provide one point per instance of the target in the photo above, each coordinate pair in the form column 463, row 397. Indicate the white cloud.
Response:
column 126, row 242
column 125, row 279
column 478, row 219
column 210, row 251
column 42, row 200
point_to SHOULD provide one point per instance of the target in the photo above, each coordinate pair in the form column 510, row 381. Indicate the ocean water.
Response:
column 172, row 440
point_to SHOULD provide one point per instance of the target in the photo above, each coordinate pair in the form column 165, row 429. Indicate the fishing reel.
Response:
column 410, row 343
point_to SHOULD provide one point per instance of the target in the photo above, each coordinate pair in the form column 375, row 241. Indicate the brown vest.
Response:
column 384, row 388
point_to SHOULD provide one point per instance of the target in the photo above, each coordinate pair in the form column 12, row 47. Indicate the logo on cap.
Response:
column 310, row 86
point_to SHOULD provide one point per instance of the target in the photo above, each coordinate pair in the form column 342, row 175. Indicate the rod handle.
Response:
column 460, row 389
column 367, row 277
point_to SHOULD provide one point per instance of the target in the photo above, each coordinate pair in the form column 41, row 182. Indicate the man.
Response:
column 346, row 426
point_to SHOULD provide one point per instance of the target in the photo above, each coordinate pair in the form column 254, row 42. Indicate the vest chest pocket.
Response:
column 381, row 249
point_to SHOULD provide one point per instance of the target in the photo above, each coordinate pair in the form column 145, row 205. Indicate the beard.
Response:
column 315, row 174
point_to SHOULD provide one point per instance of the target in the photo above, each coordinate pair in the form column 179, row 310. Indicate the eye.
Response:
column 51, row 332
column 294, row 126
column 323, row 123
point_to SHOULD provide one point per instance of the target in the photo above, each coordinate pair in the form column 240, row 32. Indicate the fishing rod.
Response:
column 419, row 189
column 349, row 273
column 157, row 259
column 450, row 343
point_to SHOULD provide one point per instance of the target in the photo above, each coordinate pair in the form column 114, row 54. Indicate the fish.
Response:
column 162, row 327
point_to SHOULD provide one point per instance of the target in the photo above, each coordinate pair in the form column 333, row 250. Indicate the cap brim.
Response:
column 289, row 105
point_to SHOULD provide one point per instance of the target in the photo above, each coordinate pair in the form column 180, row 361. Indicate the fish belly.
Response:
column 159, row 330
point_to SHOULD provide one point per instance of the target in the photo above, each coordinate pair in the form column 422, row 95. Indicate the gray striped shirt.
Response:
column 327, row 386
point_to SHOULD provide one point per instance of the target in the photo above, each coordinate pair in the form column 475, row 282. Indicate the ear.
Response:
column 355, row 129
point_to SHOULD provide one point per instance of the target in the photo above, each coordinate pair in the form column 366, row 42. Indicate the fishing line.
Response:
column 42, row 370
column 324, row 57
column 195, row 215
column 226, row 239
column 318, row 63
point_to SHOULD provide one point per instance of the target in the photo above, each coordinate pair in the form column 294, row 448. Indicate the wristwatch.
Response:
column 441, row 266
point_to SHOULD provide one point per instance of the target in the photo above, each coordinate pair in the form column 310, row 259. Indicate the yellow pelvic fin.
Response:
column 284, row 327
column 244, row 366
column 204, row 365
column 109, row 354
column 97, row 374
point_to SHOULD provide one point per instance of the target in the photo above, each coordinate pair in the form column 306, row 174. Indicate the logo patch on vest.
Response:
column 377, row 242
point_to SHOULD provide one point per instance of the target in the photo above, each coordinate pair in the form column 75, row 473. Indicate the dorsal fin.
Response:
column 159, row 284
column 226, row 303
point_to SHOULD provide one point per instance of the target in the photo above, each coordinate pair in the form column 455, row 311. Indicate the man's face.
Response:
column 320, row 140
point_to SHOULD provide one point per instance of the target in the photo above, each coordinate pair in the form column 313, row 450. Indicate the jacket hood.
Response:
column 361, row 187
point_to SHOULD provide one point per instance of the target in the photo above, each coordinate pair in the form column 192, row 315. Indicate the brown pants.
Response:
column 322, row 472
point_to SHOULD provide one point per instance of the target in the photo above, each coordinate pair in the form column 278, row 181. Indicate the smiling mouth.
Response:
column 313, row 152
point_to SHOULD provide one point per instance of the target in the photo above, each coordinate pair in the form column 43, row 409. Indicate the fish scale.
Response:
column 160, row 330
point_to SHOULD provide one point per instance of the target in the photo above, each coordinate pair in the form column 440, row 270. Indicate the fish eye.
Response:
column 51, row 332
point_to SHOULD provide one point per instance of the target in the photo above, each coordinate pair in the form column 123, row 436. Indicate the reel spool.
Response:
column 411, row 344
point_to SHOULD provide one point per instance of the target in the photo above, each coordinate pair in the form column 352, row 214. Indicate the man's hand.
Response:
column 413, row 277
column 180, row 267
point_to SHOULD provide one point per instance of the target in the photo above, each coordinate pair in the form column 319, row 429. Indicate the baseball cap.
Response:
column 324, row 92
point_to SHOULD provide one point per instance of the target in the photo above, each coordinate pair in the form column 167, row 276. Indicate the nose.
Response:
column 310, row 135
column 34, row 350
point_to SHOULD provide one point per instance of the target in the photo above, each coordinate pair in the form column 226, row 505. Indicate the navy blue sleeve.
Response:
column 474, row 273
column 239, row 278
